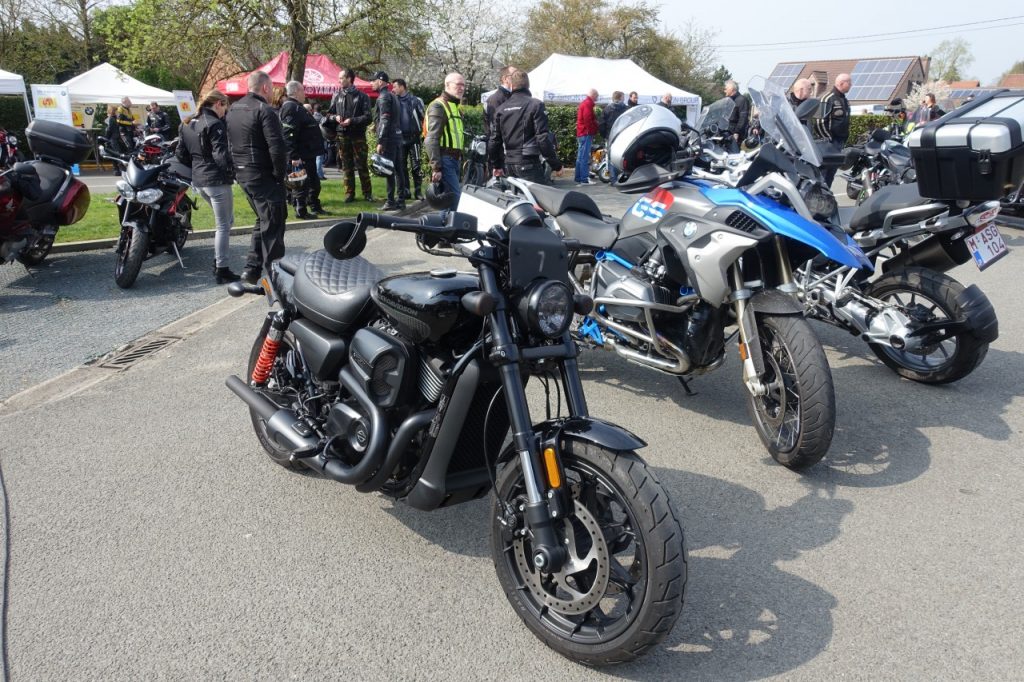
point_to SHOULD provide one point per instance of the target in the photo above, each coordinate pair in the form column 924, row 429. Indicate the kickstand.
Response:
column 178, row 254
column 686, row 386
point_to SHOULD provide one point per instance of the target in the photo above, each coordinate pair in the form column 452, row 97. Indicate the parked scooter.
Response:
column 153, row 206
column 39, row 197
column 412, row 385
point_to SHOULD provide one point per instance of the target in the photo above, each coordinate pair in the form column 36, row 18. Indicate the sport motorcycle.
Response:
column 153, row 207
column 920, row 322
column 693, row 264
column 414, row 386
column 40, row 196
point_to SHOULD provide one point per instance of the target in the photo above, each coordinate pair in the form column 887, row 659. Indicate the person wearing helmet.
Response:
column 261, row 161
column 520, row 134
column 389, row 139
column 444, row 139
column 304, row 142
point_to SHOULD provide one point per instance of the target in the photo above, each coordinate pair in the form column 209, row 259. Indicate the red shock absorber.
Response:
column 265, row 362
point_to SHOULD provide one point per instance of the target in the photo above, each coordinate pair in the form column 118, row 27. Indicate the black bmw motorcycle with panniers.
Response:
column 414, row 386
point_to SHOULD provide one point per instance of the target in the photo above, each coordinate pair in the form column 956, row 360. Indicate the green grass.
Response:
column 100, row 221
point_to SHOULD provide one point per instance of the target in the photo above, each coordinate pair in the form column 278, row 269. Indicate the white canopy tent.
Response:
column 563, row 79
column 107, row 84
column 13, row 84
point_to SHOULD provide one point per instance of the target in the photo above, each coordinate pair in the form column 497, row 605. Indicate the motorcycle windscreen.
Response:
column 788, row 223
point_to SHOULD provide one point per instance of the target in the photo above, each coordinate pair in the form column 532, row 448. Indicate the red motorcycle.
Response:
column 39, row 197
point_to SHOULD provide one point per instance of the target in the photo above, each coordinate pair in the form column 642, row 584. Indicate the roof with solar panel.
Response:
column 875, row 81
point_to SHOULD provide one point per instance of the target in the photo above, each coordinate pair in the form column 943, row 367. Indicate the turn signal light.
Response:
column 743, row 351
column 551, row 464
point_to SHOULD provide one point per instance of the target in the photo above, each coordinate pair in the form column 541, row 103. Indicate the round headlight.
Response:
column 548, row 308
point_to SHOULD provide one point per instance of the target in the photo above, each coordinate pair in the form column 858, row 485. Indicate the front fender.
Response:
column 788, row 223
column 590, row 430
column 774, row 302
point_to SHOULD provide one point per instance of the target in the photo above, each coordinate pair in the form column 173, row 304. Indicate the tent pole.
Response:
column 28, row 109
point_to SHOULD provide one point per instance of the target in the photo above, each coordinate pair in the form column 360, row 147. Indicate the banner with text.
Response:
column 52, row 103
column 186, row 104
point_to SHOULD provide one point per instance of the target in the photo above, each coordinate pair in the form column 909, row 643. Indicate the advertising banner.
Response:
column 52, row 103
column 186, row 104
column 82, row 115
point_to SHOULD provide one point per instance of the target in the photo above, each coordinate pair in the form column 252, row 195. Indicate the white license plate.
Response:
column 987, row 246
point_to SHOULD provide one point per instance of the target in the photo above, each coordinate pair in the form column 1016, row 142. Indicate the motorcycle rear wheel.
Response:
column 927, row 296
column 604, row 174
column 628, row 545
column 278, row 455
column 797, row 418
column 38, row 253
column 129, row 259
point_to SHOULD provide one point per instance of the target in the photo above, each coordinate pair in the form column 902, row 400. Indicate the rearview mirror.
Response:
column 345, row 240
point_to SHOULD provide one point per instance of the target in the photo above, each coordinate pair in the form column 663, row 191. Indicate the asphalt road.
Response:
column 152, row 538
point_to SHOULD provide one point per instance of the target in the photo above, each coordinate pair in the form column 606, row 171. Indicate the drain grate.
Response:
column 139, row 350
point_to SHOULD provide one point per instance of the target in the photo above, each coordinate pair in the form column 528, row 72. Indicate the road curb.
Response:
column 111, row 242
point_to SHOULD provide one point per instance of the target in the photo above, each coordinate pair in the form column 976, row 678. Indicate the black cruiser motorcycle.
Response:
column 414, row 386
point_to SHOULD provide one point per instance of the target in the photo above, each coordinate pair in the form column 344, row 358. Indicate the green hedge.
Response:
column 13, row 119
column 862, row 125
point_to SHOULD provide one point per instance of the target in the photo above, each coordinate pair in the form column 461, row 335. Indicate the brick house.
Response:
column 876, row 81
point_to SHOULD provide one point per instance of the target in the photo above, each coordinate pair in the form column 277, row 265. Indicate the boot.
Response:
column 251, row 274
column 224, row 275
column 303, row 214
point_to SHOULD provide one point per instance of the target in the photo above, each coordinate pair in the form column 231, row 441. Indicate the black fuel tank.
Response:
column 426, row 307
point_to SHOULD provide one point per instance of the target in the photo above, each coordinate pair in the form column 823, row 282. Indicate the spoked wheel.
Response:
column 621, row 589
column 129, row 258
column 796, row 418
column 280, row 391
column 38, row 252
column 926, row 296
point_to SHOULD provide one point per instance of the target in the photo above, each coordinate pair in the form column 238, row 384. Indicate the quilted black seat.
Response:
column 558, row 201
column 334, row 293
column 872, row 212
column 590, row 231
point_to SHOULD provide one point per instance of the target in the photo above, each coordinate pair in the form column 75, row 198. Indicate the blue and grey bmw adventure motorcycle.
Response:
column 692, row 264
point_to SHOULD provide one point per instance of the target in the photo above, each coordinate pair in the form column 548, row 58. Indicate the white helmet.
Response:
column 642, row 135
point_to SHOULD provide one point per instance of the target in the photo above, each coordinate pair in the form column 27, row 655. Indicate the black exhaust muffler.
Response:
column 937, row 253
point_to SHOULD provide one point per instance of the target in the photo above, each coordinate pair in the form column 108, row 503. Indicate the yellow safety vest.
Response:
column 452, row 133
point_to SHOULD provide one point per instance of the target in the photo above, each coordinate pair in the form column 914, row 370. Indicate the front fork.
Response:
column 547, row 502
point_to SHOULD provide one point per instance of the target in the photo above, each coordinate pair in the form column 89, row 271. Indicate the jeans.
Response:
column 320, row 167
column 450, row 177
column 268, row 201
column 583, row 158
column 223, row 205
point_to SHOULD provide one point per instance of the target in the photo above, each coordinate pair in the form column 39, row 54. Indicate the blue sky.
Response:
column 995, row 46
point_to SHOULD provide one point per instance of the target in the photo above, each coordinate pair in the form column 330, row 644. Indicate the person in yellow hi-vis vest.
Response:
column 444, row 136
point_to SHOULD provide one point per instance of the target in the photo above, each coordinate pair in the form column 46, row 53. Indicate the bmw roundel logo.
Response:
column 689, row 229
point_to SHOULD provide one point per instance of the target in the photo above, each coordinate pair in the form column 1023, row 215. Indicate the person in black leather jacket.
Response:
column 157, row 121
column 520, row 136
column 203, row 147
column 389, row 139
column 304, row 142
column 261, row 161
column 350, row 109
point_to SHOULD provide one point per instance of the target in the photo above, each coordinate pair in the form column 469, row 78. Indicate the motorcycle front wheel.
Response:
column 795, row 419
column 130, row 257
column 621, row 590
column 928, row 296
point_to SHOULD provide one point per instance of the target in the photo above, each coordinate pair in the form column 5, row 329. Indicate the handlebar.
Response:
column 462, row 225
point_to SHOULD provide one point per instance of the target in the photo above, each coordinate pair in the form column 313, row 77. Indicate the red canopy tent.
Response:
column 320, row 80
